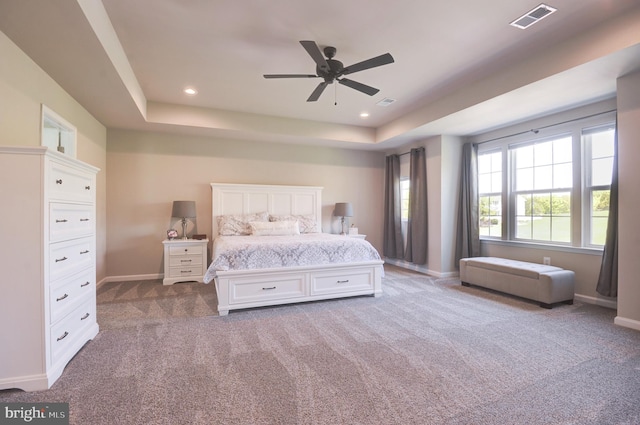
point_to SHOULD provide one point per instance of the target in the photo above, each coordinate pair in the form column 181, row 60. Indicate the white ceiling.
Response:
column 459, row 67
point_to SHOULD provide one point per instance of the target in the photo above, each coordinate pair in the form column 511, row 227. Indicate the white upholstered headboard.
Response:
column 228, row 198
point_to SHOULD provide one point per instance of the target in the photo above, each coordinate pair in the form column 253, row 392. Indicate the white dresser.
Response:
column 184, row 260
column 47, row 264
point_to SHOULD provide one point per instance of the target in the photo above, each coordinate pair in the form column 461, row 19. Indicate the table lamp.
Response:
column 184, row 210
column 343, row 209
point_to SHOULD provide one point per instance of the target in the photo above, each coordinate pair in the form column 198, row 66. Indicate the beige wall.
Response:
column 148, row 171
column 24, row 87
column 629, row 200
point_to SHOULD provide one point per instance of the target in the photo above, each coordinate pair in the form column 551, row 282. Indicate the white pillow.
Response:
column 307, row 223
column 238, row 224
column 277, row 228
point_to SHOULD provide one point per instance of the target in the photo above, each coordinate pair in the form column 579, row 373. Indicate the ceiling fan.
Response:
column 331, row 69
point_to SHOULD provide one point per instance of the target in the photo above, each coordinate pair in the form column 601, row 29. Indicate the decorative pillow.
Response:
column 307, row 223
column 238, row 225
column 277, row 228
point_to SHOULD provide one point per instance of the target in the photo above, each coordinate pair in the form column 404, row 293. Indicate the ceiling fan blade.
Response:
column 317, row 92
column 290, row 76
column 359, row 86
column 369, row 63
column 314, row 51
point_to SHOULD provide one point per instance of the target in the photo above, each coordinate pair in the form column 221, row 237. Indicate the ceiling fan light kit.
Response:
column 331, row 70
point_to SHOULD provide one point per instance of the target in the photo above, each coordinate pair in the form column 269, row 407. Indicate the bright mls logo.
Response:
column 34, row 413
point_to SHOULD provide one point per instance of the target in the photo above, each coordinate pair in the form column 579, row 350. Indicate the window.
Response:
column 490, row 189
column 404, row 199
column 542, row 184
column 550, row 186
column 599, row 151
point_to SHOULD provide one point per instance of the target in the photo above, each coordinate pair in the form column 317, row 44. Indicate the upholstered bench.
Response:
column 538, row 282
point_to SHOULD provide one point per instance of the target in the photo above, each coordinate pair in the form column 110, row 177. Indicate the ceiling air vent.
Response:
column 533, row 16
column 385, row 102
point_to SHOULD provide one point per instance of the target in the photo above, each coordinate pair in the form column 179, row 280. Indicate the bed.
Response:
column 269, row 249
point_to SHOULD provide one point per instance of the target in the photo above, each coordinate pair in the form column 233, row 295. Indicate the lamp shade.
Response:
column 184, row 209
column 343, row 209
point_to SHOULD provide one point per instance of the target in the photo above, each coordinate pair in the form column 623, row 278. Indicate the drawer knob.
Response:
column 58, row 181
column 86, row 251
column 62, row 297
column 185, row 271
column 343, row 281
column 84, row 219
column 61, row 259
column 87, row 188
column 268, row 289
column 62, row 221
column 86, row 316
column 64, row 335
column 185, row 261
column 85, row 284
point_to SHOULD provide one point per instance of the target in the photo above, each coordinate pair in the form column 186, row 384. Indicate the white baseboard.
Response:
column 131, row 278
column 419, row 268
column 608, row 303
column 627, row 323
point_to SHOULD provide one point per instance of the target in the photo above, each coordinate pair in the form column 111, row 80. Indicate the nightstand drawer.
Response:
column 68, row 221
column 186, row 271
column 185, row 260
column 185, row 250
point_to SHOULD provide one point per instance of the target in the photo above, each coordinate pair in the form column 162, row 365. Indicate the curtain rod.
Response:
column 407, row 153
column 536, row 130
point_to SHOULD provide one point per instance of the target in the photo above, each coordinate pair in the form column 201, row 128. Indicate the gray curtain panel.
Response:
column 608, row 279
column 468, row 238
column 416, row 251
column 392, row 244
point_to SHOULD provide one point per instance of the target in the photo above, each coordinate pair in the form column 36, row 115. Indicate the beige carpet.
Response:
column 427, row 352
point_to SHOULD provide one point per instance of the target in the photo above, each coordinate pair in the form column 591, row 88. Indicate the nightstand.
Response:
column 184, row 260
column 359, row 236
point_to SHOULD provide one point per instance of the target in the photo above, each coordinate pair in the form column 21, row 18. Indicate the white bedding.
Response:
column 265, row 252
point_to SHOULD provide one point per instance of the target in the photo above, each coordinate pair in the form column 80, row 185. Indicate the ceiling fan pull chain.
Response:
column 335, row 95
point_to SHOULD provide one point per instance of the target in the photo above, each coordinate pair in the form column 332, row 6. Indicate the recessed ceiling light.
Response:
column 190, row 91
column 364, row 114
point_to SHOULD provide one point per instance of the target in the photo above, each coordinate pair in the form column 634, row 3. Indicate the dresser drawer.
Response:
column 69, row 257
column 68, row 221
column 341, row 282
column 67, row 296
column 66, row 332
column 67, row 183
column 186, row 250
column 243, row 291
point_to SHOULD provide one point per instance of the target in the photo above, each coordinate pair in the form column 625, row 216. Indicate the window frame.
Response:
column 580, row 208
